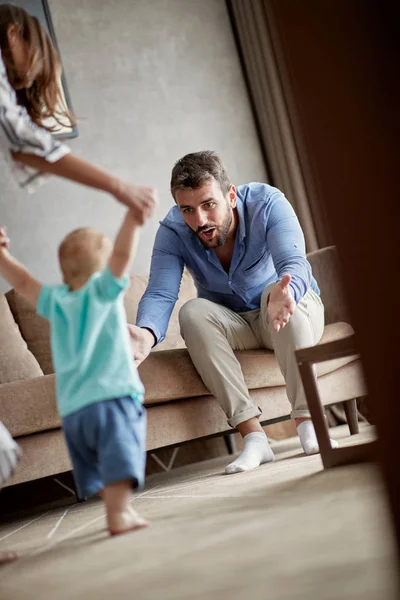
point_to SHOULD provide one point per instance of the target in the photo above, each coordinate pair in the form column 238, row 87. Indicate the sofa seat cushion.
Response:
column 16, row 361
column 170, row 375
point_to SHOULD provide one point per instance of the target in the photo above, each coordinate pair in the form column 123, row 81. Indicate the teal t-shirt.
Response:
column 90, row 344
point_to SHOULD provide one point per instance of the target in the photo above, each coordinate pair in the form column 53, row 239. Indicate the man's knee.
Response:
column 194, row 312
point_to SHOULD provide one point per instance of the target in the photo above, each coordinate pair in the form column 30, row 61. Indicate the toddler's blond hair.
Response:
column 82, row 253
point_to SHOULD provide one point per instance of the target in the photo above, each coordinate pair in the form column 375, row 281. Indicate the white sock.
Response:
column 256, row 451
column 308, row 437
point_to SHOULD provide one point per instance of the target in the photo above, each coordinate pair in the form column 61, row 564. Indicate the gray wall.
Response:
column 149, row 81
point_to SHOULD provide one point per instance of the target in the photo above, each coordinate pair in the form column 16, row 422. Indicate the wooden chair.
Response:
column 306, row 357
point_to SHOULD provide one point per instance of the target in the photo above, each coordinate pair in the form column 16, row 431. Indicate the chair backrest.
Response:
column 326, row 270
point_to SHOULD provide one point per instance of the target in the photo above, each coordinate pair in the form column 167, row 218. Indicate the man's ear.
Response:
column 232, row 196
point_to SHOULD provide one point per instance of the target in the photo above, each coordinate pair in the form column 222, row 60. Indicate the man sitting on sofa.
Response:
column 245, row 249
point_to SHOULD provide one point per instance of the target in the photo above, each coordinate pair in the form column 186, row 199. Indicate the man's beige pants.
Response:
column 212, row 332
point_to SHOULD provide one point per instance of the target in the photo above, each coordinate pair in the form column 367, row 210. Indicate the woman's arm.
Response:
column 35, row 147
column 141, row 200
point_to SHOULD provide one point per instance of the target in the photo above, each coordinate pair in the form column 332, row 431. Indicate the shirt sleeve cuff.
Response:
column 295, row 293
column 157, row 333
column 31, row 179
column 58, row 152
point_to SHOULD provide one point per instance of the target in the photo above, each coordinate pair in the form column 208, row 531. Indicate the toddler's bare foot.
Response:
column 121, row 517
column 7, row 557
column 125, row 521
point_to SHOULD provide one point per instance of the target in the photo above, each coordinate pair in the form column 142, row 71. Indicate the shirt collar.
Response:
column 242, row 225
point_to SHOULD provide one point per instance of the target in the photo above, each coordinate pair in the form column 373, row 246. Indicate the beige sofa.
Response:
column 180, row 408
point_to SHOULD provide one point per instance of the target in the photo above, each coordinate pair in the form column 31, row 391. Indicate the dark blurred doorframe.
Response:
column 267, row 82
column 342, row 92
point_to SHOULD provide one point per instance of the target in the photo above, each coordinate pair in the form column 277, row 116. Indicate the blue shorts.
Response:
column 107, row 443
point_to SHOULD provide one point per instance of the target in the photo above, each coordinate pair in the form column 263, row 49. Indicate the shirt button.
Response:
column 229, row 282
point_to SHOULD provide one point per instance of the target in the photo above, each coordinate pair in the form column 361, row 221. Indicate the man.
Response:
column 245, row 250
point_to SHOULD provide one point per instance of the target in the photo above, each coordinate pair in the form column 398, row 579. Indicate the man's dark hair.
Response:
column 193, row 170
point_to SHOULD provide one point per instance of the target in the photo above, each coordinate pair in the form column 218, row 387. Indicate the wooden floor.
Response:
column 287, row 530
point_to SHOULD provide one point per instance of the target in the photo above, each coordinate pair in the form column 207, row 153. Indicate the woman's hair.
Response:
column 43, row 99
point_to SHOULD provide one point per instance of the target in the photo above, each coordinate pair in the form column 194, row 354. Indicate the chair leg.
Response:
column 350, row 408
column 317, row 412
column 230, row 443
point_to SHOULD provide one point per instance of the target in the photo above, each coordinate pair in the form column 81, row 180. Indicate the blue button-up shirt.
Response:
column 269, row 243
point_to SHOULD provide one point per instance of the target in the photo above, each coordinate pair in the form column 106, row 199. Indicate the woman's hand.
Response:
column 139, row 199
column 4, row 240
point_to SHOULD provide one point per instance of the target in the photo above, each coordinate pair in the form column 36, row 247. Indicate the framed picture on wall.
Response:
column 40, row 9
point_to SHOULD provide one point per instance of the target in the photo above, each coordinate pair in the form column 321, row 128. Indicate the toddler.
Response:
column 99, row 393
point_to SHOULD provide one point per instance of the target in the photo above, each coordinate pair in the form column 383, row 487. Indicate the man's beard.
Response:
column 222, row 232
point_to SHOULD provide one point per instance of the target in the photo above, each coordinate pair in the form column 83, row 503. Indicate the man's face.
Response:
column 208, row 212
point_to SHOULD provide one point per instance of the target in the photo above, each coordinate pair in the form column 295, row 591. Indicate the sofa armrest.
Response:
column 29, row 406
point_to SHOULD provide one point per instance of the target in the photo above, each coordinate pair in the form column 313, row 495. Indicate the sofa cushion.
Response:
column 16, row 361
column 34, row 329
column 171, row 375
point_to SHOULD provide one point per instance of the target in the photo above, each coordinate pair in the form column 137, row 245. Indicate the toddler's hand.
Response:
column 140, row 200
column 4, row 241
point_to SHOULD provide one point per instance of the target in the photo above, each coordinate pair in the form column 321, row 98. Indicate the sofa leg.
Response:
column 230, row 443
column 350, row 408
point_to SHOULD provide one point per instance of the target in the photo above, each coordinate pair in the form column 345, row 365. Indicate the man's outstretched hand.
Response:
column 281, row 304
column 142, row 342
